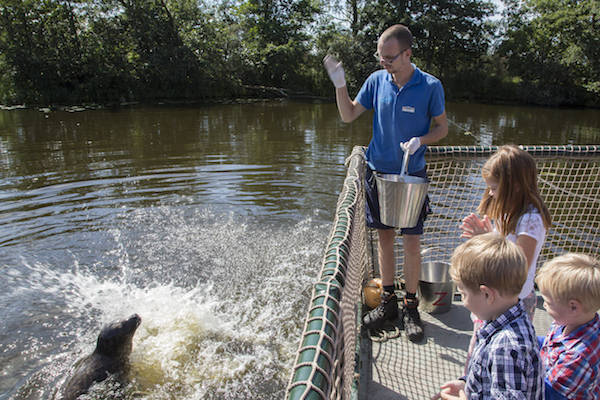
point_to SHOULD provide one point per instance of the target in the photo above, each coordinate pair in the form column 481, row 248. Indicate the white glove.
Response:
column 335, row 71
column 412, row 145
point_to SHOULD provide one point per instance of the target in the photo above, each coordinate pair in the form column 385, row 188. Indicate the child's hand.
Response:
column 472, row 225
column 451, row 390
column 461, row 396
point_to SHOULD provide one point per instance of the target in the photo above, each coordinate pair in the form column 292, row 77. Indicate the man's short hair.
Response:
column 399, row 32
column 572, row 276
column 492, row 260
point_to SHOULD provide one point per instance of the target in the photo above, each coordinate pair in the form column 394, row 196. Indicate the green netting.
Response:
column 326, row 357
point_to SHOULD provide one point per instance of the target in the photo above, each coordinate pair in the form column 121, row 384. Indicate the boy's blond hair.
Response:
column 572, row 276
column 492, row 260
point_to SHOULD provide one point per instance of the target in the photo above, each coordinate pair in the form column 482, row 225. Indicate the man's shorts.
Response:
column 372, row 205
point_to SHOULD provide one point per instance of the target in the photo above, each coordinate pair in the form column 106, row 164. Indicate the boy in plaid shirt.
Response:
column 489, row 272
column 570, row 286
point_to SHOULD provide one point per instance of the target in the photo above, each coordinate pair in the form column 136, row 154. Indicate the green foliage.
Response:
column 32, row 43
column 452, row 37
column 7, row 81
column 275, row 41
column 108, row 50
column 68, row 51
column 554, row 46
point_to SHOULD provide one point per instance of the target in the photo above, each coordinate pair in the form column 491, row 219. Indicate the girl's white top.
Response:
column 532, row 225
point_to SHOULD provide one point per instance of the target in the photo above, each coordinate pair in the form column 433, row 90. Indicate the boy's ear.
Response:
column 489, row 293
column 575, row 306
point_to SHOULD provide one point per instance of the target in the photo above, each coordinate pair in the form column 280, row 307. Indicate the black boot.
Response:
column 386, row 311
column 413, row 326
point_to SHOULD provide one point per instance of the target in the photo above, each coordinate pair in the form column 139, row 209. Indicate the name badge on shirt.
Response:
column 408, row 109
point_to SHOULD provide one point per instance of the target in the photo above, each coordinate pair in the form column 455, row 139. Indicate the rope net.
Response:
column 568, row 180
column 327, row 362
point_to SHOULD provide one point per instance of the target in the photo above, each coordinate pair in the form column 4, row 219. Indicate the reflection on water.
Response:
column 79, row 166
column 495, row 125
column 208, row 221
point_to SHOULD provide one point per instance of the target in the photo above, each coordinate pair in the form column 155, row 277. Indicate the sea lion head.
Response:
column 115, row 339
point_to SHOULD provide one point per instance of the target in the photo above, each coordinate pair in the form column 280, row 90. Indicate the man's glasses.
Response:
column 388, row 60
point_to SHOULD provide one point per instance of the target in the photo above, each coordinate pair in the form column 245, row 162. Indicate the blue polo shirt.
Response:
column 399, row 115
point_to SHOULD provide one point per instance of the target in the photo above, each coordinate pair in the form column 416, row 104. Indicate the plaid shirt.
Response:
column 506, row 362
column 572, row 362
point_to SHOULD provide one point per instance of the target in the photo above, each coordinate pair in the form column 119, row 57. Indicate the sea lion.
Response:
column 111, row 356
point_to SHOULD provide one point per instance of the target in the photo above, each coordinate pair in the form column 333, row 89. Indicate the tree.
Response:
column 109, row 50
column 65, row 51
column 275, row 41
column 41, row 43
column 451, row 37
column 553, row 47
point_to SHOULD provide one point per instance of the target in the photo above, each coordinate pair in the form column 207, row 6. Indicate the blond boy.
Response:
column 570, row 286
column 489, row 272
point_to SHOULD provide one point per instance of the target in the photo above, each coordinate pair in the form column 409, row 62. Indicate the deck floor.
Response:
column 399, row 369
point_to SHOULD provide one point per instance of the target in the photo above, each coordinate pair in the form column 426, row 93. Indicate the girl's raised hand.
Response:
column 472, row 225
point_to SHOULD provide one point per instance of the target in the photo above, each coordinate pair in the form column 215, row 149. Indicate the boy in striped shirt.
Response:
column 570, row 286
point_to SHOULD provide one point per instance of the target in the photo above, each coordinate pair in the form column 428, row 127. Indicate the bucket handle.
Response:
column 404, row 163
column 427, row 250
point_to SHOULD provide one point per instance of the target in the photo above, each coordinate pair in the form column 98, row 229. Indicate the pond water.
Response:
column 209, row 221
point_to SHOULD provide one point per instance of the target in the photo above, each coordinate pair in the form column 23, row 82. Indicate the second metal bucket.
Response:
column 401, row 199
column 436, row 288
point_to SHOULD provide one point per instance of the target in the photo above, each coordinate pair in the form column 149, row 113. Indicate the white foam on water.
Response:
column 222, row 302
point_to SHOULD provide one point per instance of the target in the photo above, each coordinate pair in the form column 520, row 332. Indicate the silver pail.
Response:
column 436, row 289
column 401, row 199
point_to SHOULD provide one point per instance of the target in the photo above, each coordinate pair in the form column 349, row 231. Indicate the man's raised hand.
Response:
column 335, row 70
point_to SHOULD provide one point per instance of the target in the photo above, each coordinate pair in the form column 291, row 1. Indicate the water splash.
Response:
column 222, row 300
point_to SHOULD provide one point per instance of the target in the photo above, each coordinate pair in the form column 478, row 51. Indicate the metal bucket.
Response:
column 401, row 199
column 436, row 289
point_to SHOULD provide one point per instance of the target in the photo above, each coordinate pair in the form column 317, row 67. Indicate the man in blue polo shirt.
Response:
column 409, row 113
